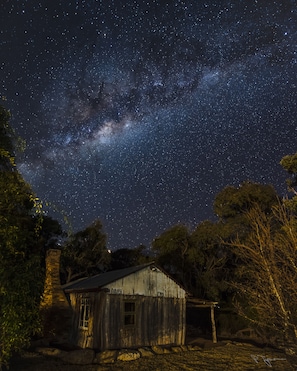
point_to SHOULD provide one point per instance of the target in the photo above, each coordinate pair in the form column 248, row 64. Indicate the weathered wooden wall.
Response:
column 84, row 338
column 158, row 321
column 148, row 282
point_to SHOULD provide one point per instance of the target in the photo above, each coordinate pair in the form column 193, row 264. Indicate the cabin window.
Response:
column 84, row 313
column 129, row 313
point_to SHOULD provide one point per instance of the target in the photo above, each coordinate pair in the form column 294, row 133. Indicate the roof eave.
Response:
column 79, row 291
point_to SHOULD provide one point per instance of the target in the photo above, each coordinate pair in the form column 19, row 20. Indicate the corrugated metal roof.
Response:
column 103, row 279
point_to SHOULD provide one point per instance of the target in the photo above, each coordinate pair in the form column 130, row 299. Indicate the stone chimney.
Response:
column 53, row 295
column 55, row 308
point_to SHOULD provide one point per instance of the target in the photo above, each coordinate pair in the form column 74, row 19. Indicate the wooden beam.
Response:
column 213, row 324
column 94, row 289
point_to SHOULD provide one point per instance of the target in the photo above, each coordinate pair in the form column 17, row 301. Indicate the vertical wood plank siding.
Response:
column 158, row 321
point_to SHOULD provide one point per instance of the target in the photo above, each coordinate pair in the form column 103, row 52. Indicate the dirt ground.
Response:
column 225, row 355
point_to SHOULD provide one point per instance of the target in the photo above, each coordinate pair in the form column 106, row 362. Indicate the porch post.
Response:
column 213, row 324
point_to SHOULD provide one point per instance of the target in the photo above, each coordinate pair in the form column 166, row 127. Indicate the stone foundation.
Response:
column 89, row 356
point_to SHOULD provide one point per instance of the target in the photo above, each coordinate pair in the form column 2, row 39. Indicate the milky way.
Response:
column 140, row 112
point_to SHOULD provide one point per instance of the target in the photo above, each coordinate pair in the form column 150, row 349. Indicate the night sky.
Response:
column 139, row 112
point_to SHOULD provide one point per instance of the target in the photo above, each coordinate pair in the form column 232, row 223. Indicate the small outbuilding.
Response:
column 127, row 308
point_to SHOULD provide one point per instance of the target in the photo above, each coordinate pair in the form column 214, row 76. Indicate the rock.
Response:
column 128, row 355
column 176, row 349
column 194, row 347
column 49, row 351
column 79, row 357
column 107, row 356
column 145, row 352
column 158, row 350
column 184, row 348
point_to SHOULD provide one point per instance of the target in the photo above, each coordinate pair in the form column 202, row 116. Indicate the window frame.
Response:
column 84, row 313
column 129, row 313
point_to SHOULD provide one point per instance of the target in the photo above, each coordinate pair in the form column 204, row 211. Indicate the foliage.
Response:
column 125, row 258
column 209, row 260
column 269, row 273
column 289, row 163
column 20, row 290
column 172, row 249
column 51, row 232
column 85, row 253
column 201, row 260
column 194, row 259
column 21, row 280
column 8, row 141
column 232, row 203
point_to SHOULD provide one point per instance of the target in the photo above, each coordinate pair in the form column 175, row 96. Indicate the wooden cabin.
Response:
column 127, row 308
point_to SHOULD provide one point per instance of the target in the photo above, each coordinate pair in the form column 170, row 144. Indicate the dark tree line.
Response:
column 202, row 259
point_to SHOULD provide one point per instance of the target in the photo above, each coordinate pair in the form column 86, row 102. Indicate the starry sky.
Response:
column 139, row 112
